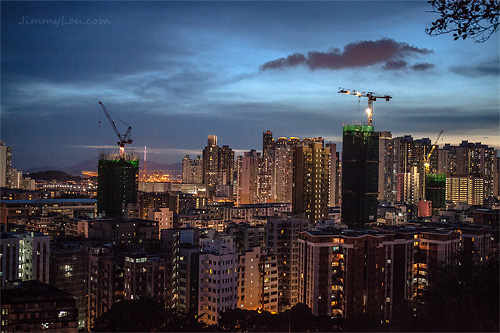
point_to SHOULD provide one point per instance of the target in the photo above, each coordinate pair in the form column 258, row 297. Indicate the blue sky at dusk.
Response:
column 180, row 71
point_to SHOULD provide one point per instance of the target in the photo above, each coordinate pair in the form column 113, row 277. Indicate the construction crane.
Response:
column 371, row 98
column 124, row 138
column 427, row 158
column 427, row 163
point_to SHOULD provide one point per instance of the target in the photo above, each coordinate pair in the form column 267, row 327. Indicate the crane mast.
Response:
column 124, row 138
column 371, row 98
column 427, row 158
column 427, row 163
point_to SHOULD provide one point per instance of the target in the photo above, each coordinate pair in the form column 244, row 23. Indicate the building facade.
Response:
column 386, row 175
column 282, row 241
column 117, row 185
column 360, row 147
column 311, row 174
column 34, row 306
column 218, row 279
column 192, row 170
column 471, row 160
column 68, row 272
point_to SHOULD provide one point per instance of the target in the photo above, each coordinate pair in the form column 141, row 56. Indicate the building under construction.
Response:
column 436, row 190
column 360, row 146
column 118, row 176
column 118, row 183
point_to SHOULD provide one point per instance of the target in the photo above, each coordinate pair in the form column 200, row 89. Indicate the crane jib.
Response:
column 124, row 139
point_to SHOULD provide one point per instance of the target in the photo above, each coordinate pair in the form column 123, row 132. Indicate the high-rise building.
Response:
column 218, row 284
column 360, row 147
column 181, row 250
column 34, row 256
column 226, row 166
column 30, row 251
column 105, row 281
column 267, row 140
column 408, row 186
column 334, row 175
column 144, row 277
column 283, row 173
column 249, row 290
column 267, row 186
column 432, row 249
column 386, row 179
column 311, row 174
column 117, row 185
column 9, row 260
column 268, row 279
column 192, row 170
column 282, row 241
column 465, row 190
column 188, row 278
column 5, row 164
column 218, row 165
column 9, row 177
column 257, row 280
column 435, row 190
column 248, row 177
column 157, row 200
column 211, row 164
column 498, row 175
column 68, row 272
column 471, row 160
column 349, row 274
column 409, row 153
column 342, row 274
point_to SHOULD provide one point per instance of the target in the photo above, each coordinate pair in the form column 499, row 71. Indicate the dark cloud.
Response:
column 490, row 68
column 395, row 64
column 422, row 66
column 290, row 61
column 359, row 54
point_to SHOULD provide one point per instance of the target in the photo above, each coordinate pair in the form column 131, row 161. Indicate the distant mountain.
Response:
column 38, row 169
column 88, row 165
column 91, row 165
column 56, row 175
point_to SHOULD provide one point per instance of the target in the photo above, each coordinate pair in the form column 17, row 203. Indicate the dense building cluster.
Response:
column 350, row 234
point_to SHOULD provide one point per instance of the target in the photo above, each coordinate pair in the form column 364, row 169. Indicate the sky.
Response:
column 179, row 71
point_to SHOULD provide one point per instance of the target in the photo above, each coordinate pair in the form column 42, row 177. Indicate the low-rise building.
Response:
column 37, row 306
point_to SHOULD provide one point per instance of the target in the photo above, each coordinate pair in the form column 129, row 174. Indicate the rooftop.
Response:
column 32, row 290
column 48, row 202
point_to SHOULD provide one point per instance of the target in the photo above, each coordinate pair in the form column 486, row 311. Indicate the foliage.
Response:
column 298, row 319
column 463, row 298
column 476, row 19
column 145, row 315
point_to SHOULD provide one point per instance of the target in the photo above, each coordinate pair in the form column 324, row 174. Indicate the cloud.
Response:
column 393, row 55
column 395, row 64
column 490, row 68
column 422, row 66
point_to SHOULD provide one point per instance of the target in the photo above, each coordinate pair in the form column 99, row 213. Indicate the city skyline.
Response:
column 180, row 71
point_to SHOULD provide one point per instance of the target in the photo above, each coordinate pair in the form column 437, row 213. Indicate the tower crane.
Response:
column 427, row 162
column 371, row 98
column 427, row 158
column 124, row 138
